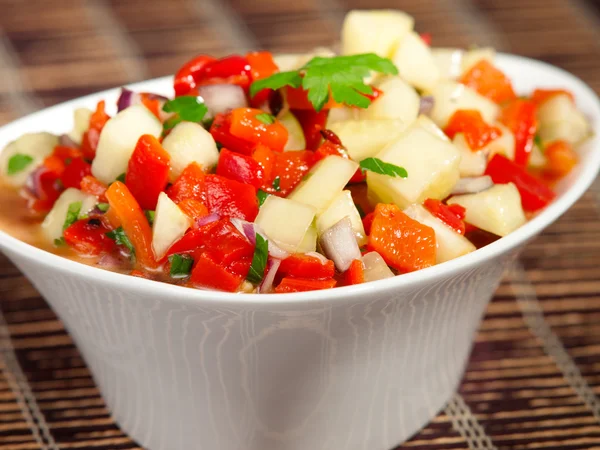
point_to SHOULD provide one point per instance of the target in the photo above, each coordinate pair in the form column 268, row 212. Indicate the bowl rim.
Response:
column 390, row 285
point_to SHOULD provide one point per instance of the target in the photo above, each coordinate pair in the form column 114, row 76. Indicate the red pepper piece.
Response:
column 289, row 284
column 91, row 185
column 312, row 123
column 148, row 171
column 540, row 96
column 289, row 168
column 190, row 184
column 477, row 133
column 446, row 214
column 520, row 117
column 74, row 173
column 225, row 243
column 48, row 190
column 220, row 131
column 490, row 82
column 246, row 124
column 560, row 159
column 230, row 198
column 89, row 141
column 186, row 77
column 306, row 266
column 355, row 273
column 210, row 274
column 88, row 237
column 534, row 193
column 241, row 266
column 262, row 66
column 241, row 168
column 368, row 221
column 427, row 38
column 233, row 69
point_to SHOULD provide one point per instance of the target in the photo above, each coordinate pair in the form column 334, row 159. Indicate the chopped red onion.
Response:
column 33, row 183
column 472, row 185
column 426, row 105
column 65, row 141
column 126, row 99
column 249, row 230
column 220, row 98
column 205, row 220
column 339, row 244
column 267, row 282
column 317, row 255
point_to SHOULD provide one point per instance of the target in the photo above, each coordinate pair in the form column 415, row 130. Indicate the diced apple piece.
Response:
column 472, row 57
column 537, row 160
column 429, row 125
column 309, row 242
column 559, row 119
column 472, row 164
column 415, row 62
column 286, row 222
column 296, row 139
column 325, row 181
column 342, row 206
column 399, row 101
column 189, row 142
column 450, row 96
column 431, row 163
column 448, row 62
column 118, row 139
column 375, row 267
column 341, row 114
column 365, row 138
column 374, row 31
column 497, row 209
column 33, row 145
column 53, row 224
column 449, row 243
column 81, row 123
column 170, row 224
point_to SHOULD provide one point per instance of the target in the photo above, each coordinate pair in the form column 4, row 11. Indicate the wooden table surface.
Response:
column 534, row 376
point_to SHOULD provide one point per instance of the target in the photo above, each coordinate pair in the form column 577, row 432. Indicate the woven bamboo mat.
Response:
column 534, row 377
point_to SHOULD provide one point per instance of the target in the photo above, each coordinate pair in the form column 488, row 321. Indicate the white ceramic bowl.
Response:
column 355, row 368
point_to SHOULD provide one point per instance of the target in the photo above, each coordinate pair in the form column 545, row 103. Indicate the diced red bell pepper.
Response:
column 233, row 69
column 290, row 284
column 427, row 38
column 264, row 156
column 520, row 117
column 490, row 82
column 246, row 124
column 226, row 244
column 88, row 237
column 458, row 210
column 368, row 221
column 355, row 273
column 306, row 266
column 193, row 208
column 148, row 171
column 89, row 141
column 560, row 159
column 242, row 168
column 289, row 168
column 192, row 240
column 187, row 76
column 534, row 193
column 405, row 244
column 262, row 66
column 477, row 133
column 446, row 214
column 60, row 157
column 190, row 184
column 220, row 131
column 47, row 190
column 91, row 185
column 540, row 96
column 152, row 103
column 230, row 198
column 297, row 98
column 210, row 274
column 241, row 266
column 312, row 123
column 75, row 171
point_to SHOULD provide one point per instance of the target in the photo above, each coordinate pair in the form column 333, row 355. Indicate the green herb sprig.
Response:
column 378, row 166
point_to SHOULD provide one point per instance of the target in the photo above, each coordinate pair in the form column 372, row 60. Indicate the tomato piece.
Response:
column 306, row 266
column 540, row 96
column 186, row 76
column 290, row 284
column 91, row 185
column 230, row 198
column 520, row 117
column 148, row 171
column 75, row 172
column 405, row 244
column 233, row 69
column 133, row 221
column 190, row 184
column 220, row 131
column 490, row 82
column 534, row 193
column 210, row 274
column 560, row 159
column 446, row 214
column 262, row 66
column 312, row 123
column 88, row 237
column 89, row 141
column 355, row 273
column 241, row 168
column 477, row 133
column 246, row 124
column 193, row 208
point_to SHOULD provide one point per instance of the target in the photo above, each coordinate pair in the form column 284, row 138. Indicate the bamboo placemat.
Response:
column 534, row 375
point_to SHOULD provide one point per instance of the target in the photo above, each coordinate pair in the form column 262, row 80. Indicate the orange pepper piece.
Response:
column 561, row 158
column 246, row 124
column 355, row 273
column 540, row 96
column 489, row 82
column 290, row 284
column 477, row 133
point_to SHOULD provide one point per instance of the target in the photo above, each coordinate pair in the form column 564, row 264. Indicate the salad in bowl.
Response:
column 288, row 173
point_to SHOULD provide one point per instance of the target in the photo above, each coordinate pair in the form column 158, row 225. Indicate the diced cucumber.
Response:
column 81, row 123
column 35, row 147
column 429, row 125
column 399, row 101
column 415, row 62
column 53, row 224
column 342, row 206
column 450, row 96
column 448, row 62
column 170, row 224
column 296, row 139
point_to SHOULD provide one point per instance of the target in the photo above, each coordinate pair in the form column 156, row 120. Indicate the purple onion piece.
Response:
column 426, row 105
column 472, row 185
column 33, row 183
column 66, row 141
column 126, row 99
column 267, row 282
column 249, row 232
column 205, row 220
column 339, row 244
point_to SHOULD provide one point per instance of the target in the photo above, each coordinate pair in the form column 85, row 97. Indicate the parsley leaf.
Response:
column 341, row 77
column 265, row 118
column 72, row 214
column 181, row 265
column 121, row 178
column 186, row 108
column 262, row 196
column 103, row 206
column 537, row 140
column 150, row 216
column 378, row 166
column 276, row 183
column 118, row 235
column 60, row 242
column 259, row 260
column 17, row 163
